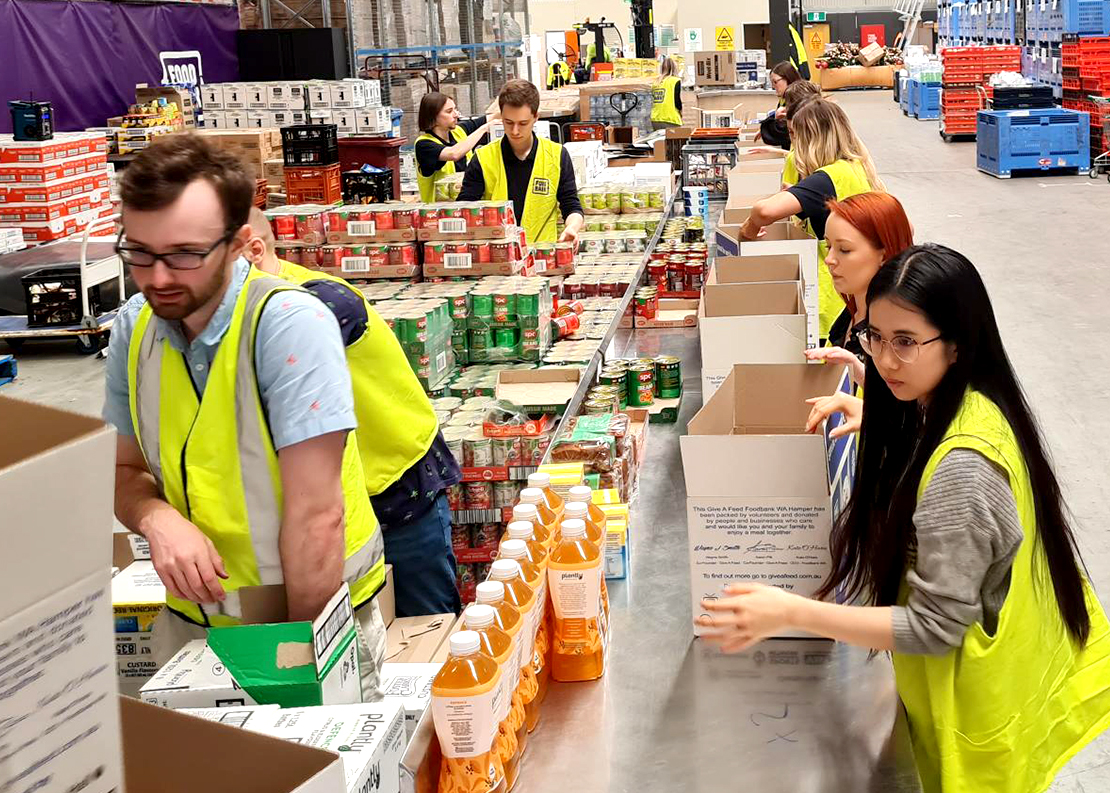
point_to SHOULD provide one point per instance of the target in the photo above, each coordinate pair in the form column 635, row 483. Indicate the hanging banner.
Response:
column 726, row 37
column 692, row 37
column 181, row 67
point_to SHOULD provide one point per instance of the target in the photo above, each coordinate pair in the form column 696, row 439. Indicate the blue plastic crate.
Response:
column 1012, row 140
column 1085, row 17
column 905, row 95
column 927, row 101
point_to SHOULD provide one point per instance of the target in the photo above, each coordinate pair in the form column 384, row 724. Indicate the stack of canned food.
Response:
column 509, row 319
column 684, row 229
column 604, row 280
column 613, row 241
column 635, row 382
column 678, row 266
column 423, row 328
column 606, row 223
column 551, row 256
column 507, row 249
column 477, row 214
column 614, row 199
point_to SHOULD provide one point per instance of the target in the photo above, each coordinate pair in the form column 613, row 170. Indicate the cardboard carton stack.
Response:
column 715, row 68
column 354, row 106
column 54, row 188
column 254, row 146
column 138, row 598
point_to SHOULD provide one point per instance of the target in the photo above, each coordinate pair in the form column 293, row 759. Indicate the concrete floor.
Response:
column 1033, row 239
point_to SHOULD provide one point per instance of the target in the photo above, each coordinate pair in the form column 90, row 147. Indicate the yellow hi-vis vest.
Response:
column 558, row 74
column 215, row 463
column 1004, row 713
column 848, row 179
column 789, row 170
column 541, row 205
column 396, row 421
column 427, row 184
column 662, row 101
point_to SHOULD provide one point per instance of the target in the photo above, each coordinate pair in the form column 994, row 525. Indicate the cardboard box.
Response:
column 344, row 120
column 236, row 120
column 715, row 67
column 292, row 664
column 481, row 269
column 870, row 55
column 138, row 597
column 284, row 118
column 215, row 119
column 410, row 685
column 749, row 323
column 178, row 96
column 348, row 94
column 672, row 313
column 60, row 717
column 258, row 119
column 211, row 97
column 760, row 268
column 761, row 492
column 857, row 77
column 235, row 96
column 372, row 120
column 545, row 390
column 415, row 640
column 285, row 96
column 257, row 95
column 319, row 94
column 135, row 664
column 153, row 737
column 273, row 171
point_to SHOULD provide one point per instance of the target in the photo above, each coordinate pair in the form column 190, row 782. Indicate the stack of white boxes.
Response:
column 751, row 67
column 354, row 106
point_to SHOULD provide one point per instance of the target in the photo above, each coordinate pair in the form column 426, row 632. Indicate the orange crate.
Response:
column 321, row 185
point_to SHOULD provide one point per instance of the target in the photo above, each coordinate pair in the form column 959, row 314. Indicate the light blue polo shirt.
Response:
column 299, row 360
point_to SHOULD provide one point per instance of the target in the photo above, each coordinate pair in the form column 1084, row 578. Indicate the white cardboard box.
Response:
column 348, row 94
column 138, row 597
column 761, row 492
column 319, row 95
column 749, row 323
column 236, row 119
column 372, row 120
column 411, row 685
column 59, row 716
column 257, row 96
column 194, row 678
column 285, row 96
column 215, row 119
column 285, row 118
column 235, row 96
column 344, row 120
column 258, row 119
column 134, row 663
column 211, row 97
column 756, row 268
column 373, row 91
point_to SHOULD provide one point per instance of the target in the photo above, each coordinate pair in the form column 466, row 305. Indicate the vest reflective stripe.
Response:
column 1004, row 713
column 427, row 184
column 396, row 421
column 662, row 101
column 848, row 179
column 789, row 170
column 214, row 460
column 541, row 205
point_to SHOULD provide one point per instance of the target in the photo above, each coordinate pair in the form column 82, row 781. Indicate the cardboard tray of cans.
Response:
column 356, row 223
column 473, row 220
column 63, row 145
column 505, row 255
column 621, row 199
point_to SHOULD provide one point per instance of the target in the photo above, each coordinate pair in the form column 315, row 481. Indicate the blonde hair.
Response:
column 821, row 134
column 668, row 68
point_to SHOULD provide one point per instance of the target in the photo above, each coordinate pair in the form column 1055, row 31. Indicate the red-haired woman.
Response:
column 862, row 232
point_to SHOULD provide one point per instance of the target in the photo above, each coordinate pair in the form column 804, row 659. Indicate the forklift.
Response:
column 582, row 61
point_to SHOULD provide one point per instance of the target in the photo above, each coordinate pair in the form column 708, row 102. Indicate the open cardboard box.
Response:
column 762, row 493
column 749, row 323
column 672, row 313
column 59, row 708
column 417, row 640
column 234, row 760
column 539, row 390
column 747, row 182
column 760, row 267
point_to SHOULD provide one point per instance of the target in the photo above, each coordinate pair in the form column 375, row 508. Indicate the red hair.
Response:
column 880, row 218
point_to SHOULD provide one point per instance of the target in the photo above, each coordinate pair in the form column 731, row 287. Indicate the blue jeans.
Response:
column 424, row 563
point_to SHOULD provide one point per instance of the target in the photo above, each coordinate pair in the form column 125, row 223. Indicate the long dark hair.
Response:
column 430, row 105
column 870, row 541
column 787, row 71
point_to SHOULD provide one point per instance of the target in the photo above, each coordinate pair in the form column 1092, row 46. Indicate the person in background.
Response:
column 558, row 73
column 796, row 96
column 957, row 540
column 444, row 141
column 772, row 130
column 832, row 163
column 535, row 173
column 591, row 55
column 666, row 97
column 861, row 233
column 405, row 460
column 231, row 396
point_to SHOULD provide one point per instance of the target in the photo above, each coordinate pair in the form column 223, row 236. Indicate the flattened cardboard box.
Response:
column 749, row 323
column 539, row 390
column 762, row 493
column 59, row 716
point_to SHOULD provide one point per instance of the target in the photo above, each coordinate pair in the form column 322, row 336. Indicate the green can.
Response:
column 668, row 377
column 528, row 304
column 597, row 407
column 504, row 305
column 619, row 379
column 504, row 337
column 480, row 340
column 641, row 384
column 481, row 306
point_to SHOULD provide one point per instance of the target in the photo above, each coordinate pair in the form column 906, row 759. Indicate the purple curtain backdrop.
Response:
column 86, row 57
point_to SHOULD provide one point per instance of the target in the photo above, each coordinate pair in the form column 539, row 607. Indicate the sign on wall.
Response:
column 692, row 37
column 726, row 37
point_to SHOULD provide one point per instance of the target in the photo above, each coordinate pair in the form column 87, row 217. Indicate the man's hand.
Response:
column 823, row 407
column 186, row 560
column 569, row 235
column 750, row 230
column 574, row 225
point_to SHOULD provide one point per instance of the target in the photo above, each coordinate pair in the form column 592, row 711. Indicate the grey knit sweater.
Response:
column 968, row 532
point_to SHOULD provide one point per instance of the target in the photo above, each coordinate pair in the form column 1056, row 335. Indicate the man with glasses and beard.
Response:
column 236, row 456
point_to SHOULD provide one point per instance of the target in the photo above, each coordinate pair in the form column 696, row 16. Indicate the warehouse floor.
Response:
column 1032, row 238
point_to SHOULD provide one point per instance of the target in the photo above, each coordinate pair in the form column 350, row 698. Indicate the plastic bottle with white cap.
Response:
column 497, row 644
column 464, row 710
column 585, row 495
column 575, row 575
column 534, row 496
column 508, row 618
column 529, row 513
column 519, row 594
column 525, row 531
column 577, row 510
column 542, row 481
column 536, row 578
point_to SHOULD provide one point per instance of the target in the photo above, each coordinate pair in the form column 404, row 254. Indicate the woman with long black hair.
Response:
column 957, row 539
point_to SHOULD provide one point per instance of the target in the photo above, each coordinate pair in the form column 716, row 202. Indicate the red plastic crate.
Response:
column 1094, row 43
column 313, row 185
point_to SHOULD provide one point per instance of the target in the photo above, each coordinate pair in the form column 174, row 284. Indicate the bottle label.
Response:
column 467, row 725
column 575, row 594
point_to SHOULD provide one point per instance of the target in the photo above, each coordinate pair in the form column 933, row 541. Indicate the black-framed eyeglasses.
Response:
column 905, row 348
column 176, row 260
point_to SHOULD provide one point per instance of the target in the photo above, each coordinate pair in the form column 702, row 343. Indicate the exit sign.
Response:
column 815, row 16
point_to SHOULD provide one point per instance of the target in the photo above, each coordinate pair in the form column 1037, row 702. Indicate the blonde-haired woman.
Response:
column 832, row 163
column 666, row 97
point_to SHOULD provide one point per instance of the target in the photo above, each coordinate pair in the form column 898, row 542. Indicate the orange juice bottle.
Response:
column 584, row 495
column 531, row 495
column 554, row 501
column 464, row 709
column 519, row 594
column 535, row 578
column 575, row 511
column 500, row 646
column 575, row 574
column 525, row 531
column 508, row 618
column 529, row 513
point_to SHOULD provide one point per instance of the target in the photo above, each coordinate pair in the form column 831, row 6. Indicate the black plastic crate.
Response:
column 1024, row 98
column 313, row 152
column 53, row 297
column 361, row 187
column 305, row 133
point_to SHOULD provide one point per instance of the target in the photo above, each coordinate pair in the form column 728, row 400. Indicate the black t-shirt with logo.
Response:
column 517, row 174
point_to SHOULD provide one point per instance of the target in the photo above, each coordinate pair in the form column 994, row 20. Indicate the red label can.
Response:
column 382, row 217
column 695, row 275
column 433, row 252
column 378, row 255
column 500, row 250
column 564, row 254
column 566, row 325
column 285, row 227
column 657, row 274
column 404, row 218
column 480, row 252
column 491, row 215
column 571, row 307
column 402, row 253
